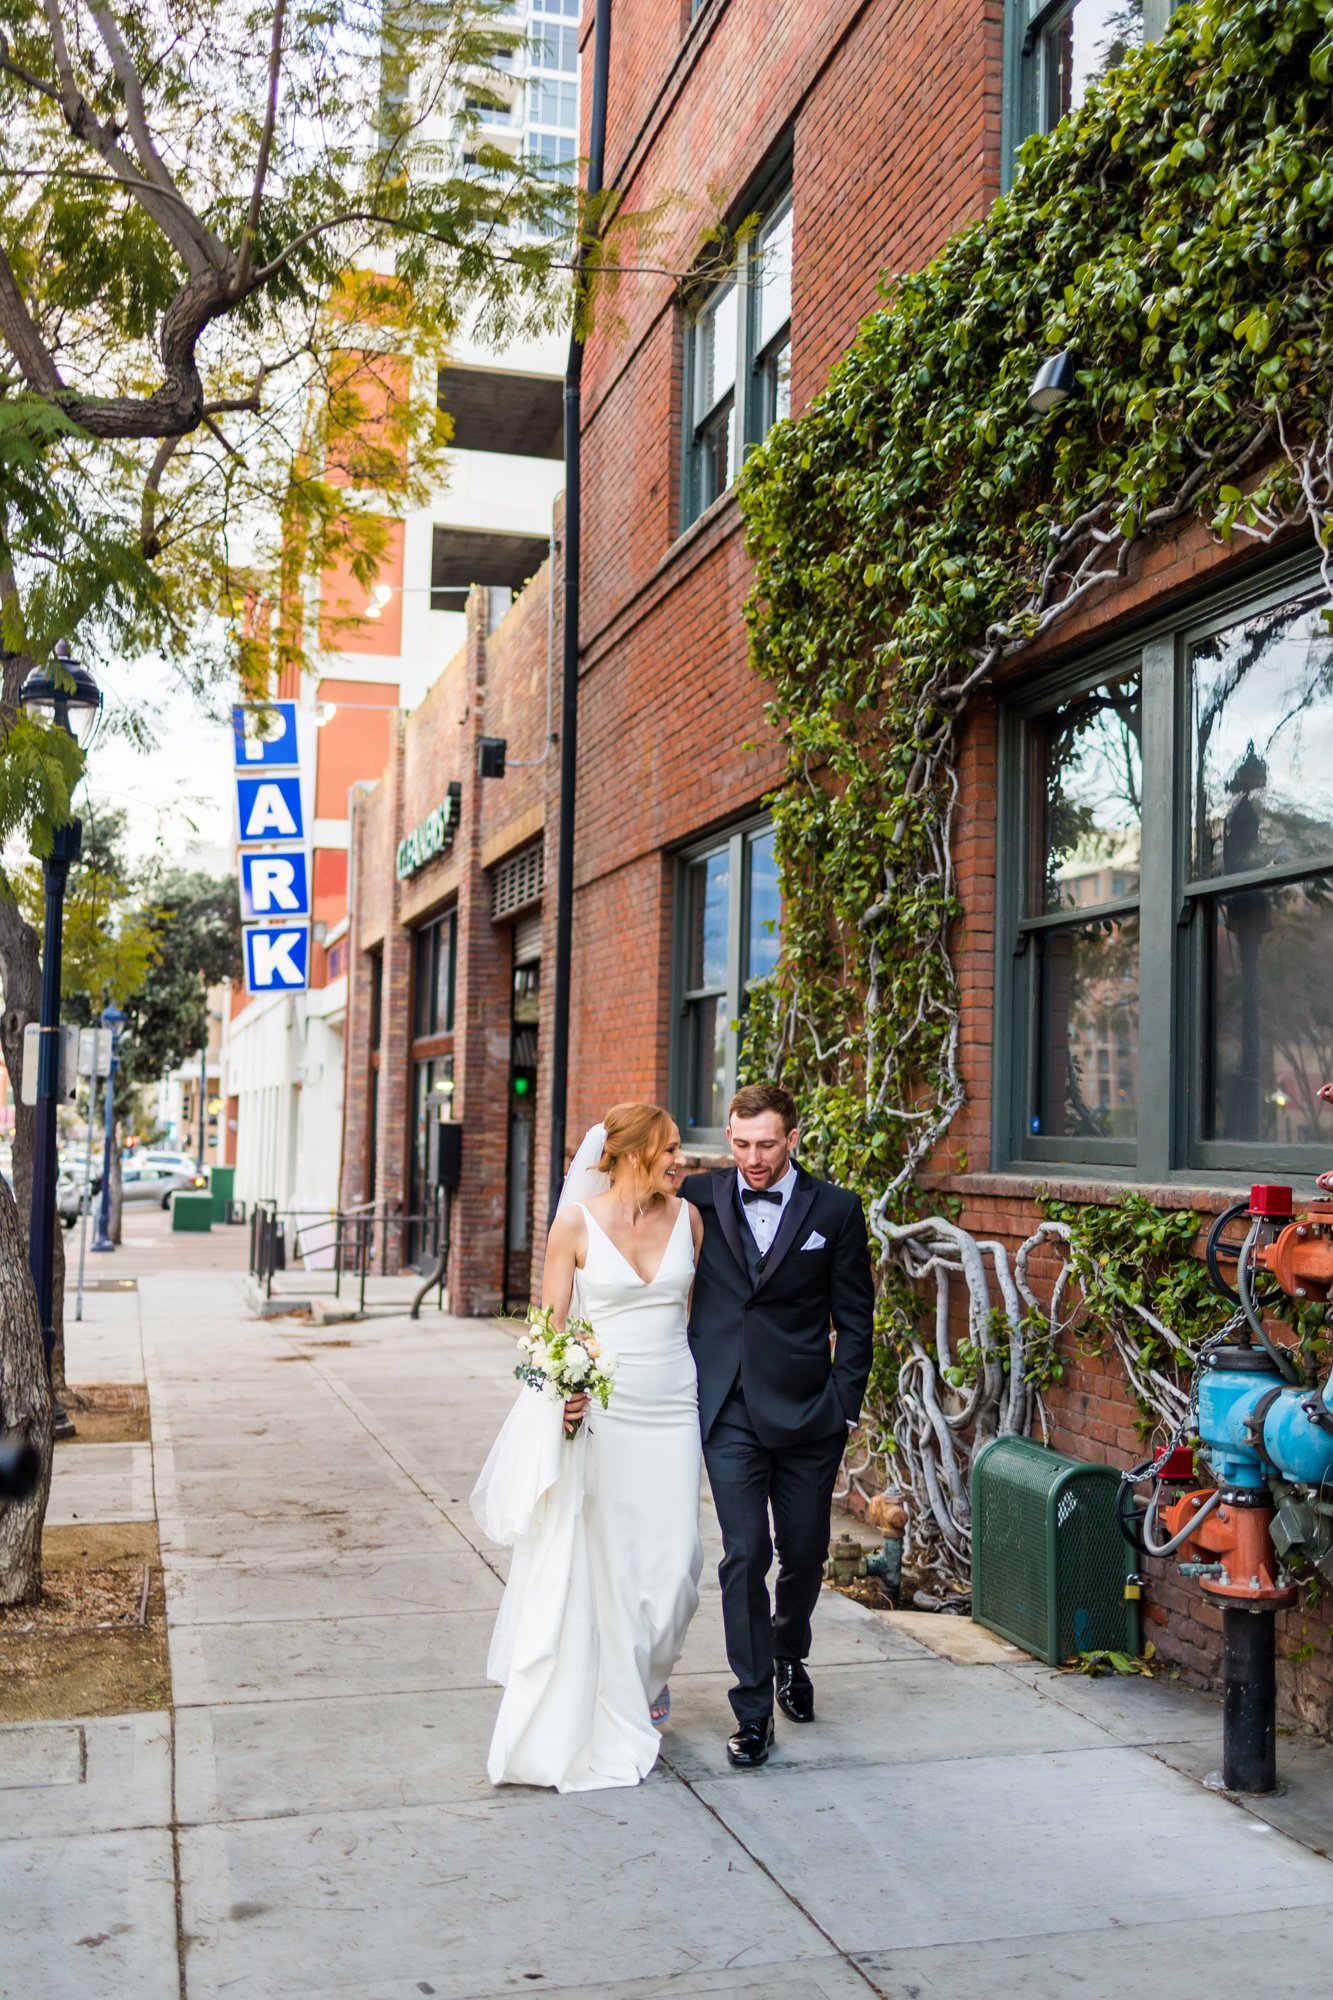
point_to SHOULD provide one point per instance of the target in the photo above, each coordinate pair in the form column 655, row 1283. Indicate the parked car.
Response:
column 146, row 1182
column 138, row 1183
column 159, row 1156
column 70, row 1191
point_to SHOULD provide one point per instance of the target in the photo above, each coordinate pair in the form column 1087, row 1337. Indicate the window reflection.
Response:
column 731, row 911
column 711, row 904
column 1082, row 47
column 1270, row 1013
column 1263, row 741
column 1088, row 1054
column 765, row 906
column 1089, row 783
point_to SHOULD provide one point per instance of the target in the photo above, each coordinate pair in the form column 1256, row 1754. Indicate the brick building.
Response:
column 445, row 929
column 862, row 134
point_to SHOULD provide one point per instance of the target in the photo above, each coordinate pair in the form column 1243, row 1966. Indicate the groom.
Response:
column 784, row 1259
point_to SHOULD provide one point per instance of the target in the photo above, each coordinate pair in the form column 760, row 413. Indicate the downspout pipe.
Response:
column 569, row 696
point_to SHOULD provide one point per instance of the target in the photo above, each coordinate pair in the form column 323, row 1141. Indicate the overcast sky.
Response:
column 177, row 796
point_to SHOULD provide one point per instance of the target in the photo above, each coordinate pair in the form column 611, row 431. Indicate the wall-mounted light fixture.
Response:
column 1054, row 383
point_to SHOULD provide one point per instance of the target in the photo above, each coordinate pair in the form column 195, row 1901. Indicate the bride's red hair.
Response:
column 642, row 1129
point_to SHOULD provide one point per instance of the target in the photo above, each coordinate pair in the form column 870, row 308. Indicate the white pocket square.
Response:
column 814, row 1241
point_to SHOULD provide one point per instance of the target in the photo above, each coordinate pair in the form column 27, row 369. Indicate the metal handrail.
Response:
column 358, row 1232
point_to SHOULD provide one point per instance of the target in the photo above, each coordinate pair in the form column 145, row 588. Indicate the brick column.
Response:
column 542, row 1169
column 355, row 1164
column 482, row 1012
column 396, row 1030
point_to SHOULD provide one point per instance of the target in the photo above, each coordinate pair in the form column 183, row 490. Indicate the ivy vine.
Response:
column 917, row 529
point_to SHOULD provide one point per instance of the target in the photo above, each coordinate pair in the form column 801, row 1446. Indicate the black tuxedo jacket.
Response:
column 766, row 1322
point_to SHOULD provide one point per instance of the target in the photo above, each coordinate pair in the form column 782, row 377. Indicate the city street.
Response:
column 314, row 1817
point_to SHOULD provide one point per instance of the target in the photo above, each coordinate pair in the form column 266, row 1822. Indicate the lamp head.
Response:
column 1054, row 383
column 65, row 695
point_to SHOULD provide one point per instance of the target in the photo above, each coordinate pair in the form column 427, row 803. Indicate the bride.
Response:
column 604, row 1524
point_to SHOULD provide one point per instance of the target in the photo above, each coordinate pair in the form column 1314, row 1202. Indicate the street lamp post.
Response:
column 68, row 698
column 111, row 1018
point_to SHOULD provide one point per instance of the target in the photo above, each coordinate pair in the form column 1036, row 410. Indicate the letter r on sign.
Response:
column 273, row 884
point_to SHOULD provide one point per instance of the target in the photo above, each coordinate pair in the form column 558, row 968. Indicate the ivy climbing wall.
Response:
column 920, row 539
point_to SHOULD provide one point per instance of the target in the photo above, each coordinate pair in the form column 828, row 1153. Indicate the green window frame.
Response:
column 1223, row 913
column 1036, row 54
column 737, row 376
column 727, row 918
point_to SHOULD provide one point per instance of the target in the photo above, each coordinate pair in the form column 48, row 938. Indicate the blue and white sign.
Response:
column 265, row 735
column 270, row 808
column 275, row 884
column 277, row 960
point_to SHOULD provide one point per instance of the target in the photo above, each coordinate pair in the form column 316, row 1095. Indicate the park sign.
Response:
column 272, row 820
column 435, row 835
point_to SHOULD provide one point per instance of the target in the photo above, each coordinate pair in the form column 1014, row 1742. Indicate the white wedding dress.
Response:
column 605, row 1534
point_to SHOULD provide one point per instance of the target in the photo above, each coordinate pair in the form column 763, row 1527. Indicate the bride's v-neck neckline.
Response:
column 635, row 1274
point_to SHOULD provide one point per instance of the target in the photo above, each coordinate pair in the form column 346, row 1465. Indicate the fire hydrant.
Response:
column 887, row 1513
column 846, row 1561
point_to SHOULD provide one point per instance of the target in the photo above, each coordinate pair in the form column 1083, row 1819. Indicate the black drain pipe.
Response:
column 569, row 701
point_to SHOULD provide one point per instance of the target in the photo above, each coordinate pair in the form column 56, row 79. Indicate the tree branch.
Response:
column 198, row 248
column 149, row 540
column 22, row 337
column 246, row 257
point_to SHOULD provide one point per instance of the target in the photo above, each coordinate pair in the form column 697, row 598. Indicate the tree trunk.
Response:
column 25, row 1410
column 21, row 977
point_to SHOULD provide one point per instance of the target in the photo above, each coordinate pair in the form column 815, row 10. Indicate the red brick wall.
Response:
column 892, row 115
column 497, row 686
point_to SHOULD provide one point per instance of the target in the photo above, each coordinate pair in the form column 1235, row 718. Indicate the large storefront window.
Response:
column 1167, row 903
column 728, row 913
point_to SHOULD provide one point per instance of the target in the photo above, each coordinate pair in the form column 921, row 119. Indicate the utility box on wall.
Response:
column 1049, row 1563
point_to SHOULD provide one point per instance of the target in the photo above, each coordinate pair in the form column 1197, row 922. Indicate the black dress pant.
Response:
column 748, row 1479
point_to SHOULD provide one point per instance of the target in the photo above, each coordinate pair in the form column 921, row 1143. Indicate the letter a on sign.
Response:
column 275, row 883
column 277, row 961
column 270, row 809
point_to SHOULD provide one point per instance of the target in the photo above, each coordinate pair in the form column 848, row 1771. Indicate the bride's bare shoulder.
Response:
column 569, row 1229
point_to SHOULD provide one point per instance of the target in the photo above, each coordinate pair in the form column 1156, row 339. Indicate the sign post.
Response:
column 94, row 1061
column 274, row 854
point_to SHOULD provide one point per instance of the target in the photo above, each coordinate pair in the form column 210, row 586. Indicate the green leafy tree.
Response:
column 234, row 246
column 195, row 922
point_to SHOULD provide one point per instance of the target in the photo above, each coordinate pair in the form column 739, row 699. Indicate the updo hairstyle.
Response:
column 644, row 1129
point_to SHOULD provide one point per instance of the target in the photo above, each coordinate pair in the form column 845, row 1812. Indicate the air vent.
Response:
column 517, row 882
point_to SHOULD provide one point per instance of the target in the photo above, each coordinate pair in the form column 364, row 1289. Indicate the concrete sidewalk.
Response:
column 315, row 1819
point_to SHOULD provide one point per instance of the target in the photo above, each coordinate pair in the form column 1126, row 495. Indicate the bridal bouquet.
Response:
column 562, row 1364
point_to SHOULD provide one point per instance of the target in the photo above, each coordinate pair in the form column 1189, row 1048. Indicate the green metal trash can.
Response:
column 1050, row 1568
column 189, row 1211
column 222, row 1186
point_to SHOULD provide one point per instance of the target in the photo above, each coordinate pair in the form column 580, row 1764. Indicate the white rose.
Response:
column 577, row 1365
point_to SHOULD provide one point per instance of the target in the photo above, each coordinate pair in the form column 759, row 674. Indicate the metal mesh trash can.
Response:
column 1049, row 1564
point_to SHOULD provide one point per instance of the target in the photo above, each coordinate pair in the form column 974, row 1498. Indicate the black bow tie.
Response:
column 749, row 1194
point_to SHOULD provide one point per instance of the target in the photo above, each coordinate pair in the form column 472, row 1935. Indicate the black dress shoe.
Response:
column 751, row 1743
column 795, row 1690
